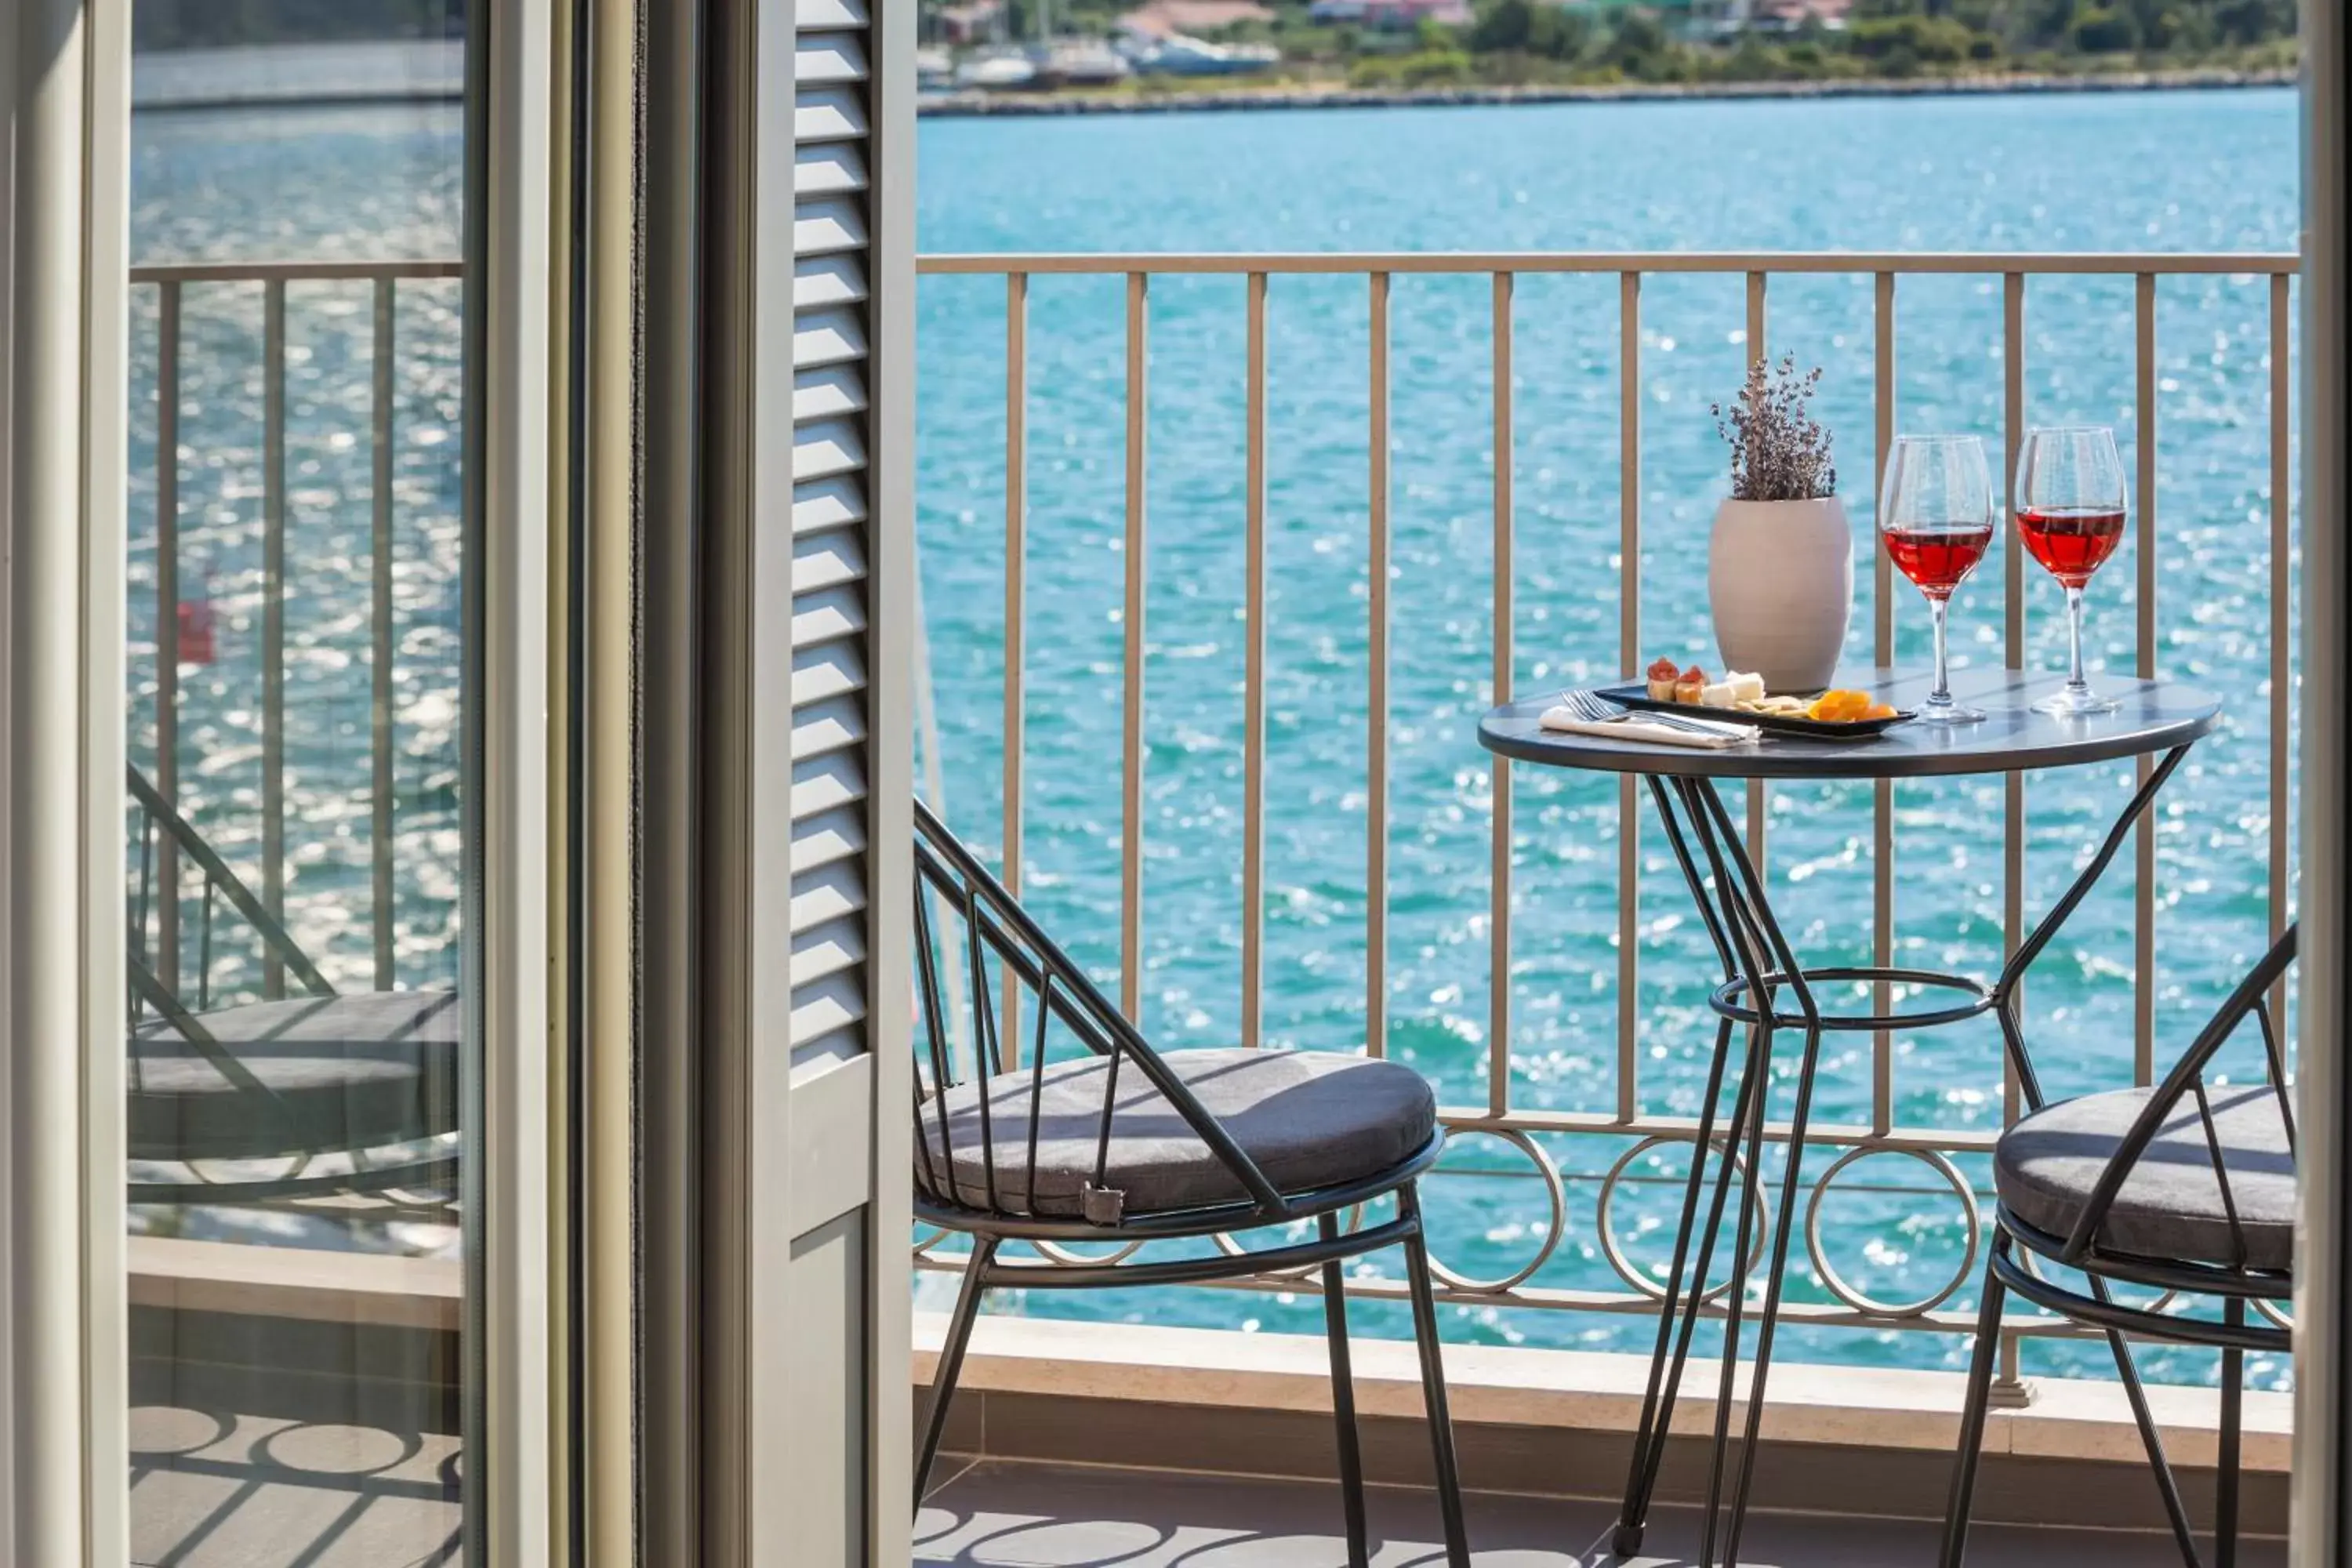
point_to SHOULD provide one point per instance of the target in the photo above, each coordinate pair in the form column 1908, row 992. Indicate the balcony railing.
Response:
column 278, row 568
column 1627, row 1110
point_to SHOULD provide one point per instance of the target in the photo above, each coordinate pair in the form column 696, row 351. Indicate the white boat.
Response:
column 934, row 68
column 1177, row 54
column 995, row 69
column 1081, row 62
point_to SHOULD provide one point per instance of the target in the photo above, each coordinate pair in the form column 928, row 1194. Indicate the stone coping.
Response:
column 1869, row 1407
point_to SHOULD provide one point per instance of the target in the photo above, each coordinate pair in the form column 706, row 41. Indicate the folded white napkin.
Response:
column 1633, row 727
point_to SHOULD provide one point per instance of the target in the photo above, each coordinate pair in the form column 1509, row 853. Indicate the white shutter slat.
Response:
column 828, row 114
column 823, row 60
column 822, row 280
column 829, row 893
column 835, row 1002
column 827, row 782
column 826, row 617
column 837, row 724
column 835, row 502
column 828, row 393
column 811, row 15
column 828, row 169
column 836, row 670
column 827, row 447
column 831, row 223
column 830, row 949
column 828, row 337
column 827, row 561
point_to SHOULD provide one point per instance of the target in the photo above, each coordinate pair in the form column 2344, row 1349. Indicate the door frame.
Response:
column 2321, row 1532
column 65, row 133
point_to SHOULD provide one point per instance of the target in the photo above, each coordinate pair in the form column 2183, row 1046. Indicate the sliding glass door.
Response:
column 303, row 1068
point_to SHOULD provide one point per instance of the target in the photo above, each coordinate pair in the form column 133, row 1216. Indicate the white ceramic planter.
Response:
column 1779, row 580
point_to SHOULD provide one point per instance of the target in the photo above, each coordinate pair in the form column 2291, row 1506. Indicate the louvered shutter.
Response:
column 831, row 513
column 829, row 1300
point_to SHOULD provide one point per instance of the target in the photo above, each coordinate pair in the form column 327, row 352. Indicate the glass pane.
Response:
column 301, row 1066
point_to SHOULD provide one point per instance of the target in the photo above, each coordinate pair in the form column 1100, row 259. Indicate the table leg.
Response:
column 1677, row 1311
column 1735, row 933
column 1757, row 910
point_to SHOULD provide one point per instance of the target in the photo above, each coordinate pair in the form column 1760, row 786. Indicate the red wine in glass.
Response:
column 1938, row 560
column 2071, row 542
column 2070, row 506
column 1935, row 511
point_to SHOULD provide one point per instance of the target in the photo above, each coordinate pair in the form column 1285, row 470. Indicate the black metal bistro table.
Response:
column 2154, row 717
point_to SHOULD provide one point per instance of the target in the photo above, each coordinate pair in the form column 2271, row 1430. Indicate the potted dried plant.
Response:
column 1780, row 567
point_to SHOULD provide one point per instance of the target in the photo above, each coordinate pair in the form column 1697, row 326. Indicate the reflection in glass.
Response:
column 300, row 1072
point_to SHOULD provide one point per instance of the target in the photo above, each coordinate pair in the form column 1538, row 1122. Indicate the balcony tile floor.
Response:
column 995, row 1514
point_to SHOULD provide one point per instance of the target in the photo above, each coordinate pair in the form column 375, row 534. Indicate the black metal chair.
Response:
column 350, row 1102
column 1117, row 1143
column 2184, row 1187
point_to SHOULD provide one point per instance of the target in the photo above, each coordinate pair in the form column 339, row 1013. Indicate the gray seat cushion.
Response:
column 1309, row 1118
column 347, row 1072
column 2171, row 1206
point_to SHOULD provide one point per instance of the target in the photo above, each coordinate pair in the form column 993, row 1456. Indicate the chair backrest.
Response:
column 2186, row 1082
column 1002, row 951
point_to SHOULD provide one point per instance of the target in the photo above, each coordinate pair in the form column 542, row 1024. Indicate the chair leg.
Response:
column 1972, row 1415
column 1432, row 1382
column 943, row 1379
column 2167, row 1489
column 1343, row 1401
column 2225, row 1495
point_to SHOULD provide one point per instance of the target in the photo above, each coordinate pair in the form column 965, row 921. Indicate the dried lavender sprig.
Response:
column 1779, row 451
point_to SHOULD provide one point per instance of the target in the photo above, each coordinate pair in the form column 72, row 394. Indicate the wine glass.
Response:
column 1936, row 516
column 2070, row 516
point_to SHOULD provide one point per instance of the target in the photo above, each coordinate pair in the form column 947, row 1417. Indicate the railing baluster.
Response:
column 1376, row 739
column 167, row 626
column 2282, row 906
column 2143, row 857
column 2009, row 1382
column 380, row 629
column 2012, row 560
column 273, row 621
column 1759, row 804
column 1628, row 659
column 1016, row 572
column 1498, row 917
column 1882, row 803
column 1253, row 682
column 1131, row 882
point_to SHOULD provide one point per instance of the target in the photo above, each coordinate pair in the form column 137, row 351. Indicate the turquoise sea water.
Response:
column 2171, row 173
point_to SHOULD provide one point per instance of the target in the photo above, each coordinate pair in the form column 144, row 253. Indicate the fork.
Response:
column 1594, row 709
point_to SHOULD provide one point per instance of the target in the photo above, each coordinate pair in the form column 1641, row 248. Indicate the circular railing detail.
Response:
column 1615, row 1252
column 1555, row 1192
column 1837, row 1283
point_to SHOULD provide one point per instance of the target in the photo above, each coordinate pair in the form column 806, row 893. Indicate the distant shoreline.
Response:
column 433, row 70
column 982, row 105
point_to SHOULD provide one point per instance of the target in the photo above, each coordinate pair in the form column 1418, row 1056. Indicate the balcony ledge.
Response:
column 1556, row 1422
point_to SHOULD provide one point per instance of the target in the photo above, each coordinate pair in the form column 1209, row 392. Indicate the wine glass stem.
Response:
column 1942, row 697
column 2074, row 681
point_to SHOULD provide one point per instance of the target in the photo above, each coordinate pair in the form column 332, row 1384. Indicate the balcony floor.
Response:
column 999, row 1514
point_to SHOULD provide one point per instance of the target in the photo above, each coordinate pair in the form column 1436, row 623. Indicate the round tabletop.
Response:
column 2152, row 716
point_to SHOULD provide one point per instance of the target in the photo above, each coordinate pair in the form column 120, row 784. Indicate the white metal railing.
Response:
column 1629, row 1115
column 272, row 279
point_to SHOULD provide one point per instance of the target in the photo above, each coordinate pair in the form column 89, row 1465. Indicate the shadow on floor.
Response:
column 1003, row 1515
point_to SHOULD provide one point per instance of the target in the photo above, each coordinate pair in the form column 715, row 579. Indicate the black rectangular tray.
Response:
column 1635, row 694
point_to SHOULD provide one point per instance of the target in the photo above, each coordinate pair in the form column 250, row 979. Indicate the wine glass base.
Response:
column 1949, row 714
column 2070, row 704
